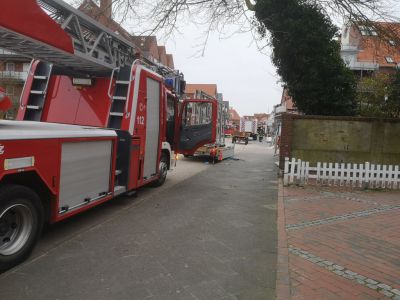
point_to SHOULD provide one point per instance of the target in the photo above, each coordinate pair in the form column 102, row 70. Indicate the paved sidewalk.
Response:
column 338, row 243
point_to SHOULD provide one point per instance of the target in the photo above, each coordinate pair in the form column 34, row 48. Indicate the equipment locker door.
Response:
column 196, row 126
column 152, row 128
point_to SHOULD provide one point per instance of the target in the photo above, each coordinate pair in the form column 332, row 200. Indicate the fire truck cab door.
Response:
column 196, row 125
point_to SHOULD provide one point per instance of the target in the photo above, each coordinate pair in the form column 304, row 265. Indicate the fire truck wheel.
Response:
column 21, row 222
column 163, row 172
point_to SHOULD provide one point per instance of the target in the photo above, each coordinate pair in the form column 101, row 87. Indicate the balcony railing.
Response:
column 363, row 66
column 280, row 109
column 13, row 75
column 6, row 52
column 345, row 48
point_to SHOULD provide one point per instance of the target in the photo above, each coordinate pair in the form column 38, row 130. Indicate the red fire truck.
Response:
column 93, row 122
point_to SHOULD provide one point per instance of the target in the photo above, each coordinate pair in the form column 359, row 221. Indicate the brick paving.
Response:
column 338, row 243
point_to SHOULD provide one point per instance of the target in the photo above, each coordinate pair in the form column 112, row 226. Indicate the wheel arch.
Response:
column 166, row 150
column 32, row 181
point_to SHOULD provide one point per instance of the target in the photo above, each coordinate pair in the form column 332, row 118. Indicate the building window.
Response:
column 389, row 59
column 25, row 67
column 197, row 113
column 365, row 30
column 10, row 67
column 10, row 90
column 392, row 43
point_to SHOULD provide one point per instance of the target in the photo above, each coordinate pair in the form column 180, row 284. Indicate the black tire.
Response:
column 21, row 223
column 233, row 140
column 163, row 172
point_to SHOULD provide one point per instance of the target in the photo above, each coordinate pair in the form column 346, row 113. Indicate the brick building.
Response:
column 234, row 116
column 147, row 46
column 196, row 90
column 287, row 104
column 365, row 51
column 13, row 73
column 262, row 118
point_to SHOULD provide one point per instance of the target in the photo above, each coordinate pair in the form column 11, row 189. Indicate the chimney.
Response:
column 106, row 8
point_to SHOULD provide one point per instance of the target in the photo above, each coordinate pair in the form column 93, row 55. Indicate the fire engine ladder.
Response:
column 37, row 94
column 117, row 113
column 57, row 33
column 119, row 97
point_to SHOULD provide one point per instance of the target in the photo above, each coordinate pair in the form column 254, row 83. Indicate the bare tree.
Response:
column 164, row 16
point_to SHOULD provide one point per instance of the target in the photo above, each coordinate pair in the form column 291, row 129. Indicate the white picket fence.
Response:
column 355, row 175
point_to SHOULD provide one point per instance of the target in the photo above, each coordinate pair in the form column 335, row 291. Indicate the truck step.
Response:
column 122, row 82
column 118, row 172
column 33, row 107
column 116, row 114
column 37, row 92
column 119, row 98
column 131, row 194
column 40, row 77
column 119, row 189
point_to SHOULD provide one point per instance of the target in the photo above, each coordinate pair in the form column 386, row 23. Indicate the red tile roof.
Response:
column 170, row 61
column 234, row 116
column 261, row 118
column 374, row 48
column 209, row 89
column 286, row 100
column 92, row 10
column 146, row 45
column 162, row 54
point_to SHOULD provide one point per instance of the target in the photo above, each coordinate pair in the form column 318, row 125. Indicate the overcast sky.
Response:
column 243, row 74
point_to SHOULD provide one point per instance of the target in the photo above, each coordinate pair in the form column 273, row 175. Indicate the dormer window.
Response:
column 366, row 31
column 389, row 59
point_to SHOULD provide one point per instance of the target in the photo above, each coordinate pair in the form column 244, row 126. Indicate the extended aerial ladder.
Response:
column 72, row 42
column 70, row 39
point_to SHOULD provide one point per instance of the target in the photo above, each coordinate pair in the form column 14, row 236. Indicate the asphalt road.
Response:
column 208, row 233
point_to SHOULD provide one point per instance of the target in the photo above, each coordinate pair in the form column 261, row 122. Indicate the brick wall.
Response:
column 18, row 66
column 286, row 138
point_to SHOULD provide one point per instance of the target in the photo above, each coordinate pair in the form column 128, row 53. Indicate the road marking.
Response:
column 344, row 217
column 341, row 271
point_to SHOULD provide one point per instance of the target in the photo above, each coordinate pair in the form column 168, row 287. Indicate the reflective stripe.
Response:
column 19, row 163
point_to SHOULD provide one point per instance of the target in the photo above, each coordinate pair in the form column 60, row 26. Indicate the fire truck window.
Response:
column 170, row 109
column 197, row 113
column 170, row 119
